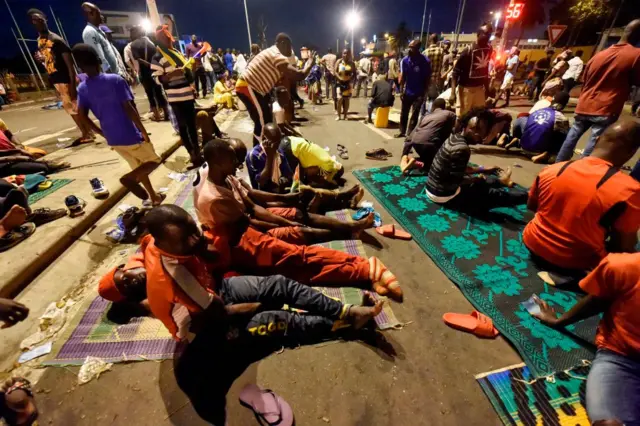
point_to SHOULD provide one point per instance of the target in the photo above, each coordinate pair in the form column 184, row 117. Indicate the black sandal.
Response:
column 17, row 235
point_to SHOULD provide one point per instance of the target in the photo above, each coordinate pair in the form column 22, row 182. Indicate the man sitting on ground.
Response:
column 222, row 202
column 580, row 204
column 455, row 184
column 178, row 275
column 110, row 99
column 381, row 96
column 428, row 137
column 542, row 132
column 272, row 165
column 613, row 288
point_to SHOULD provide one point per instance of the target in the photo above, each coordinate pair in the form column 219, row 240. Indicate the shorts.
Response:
column 469, row 98
column 345, row 89
column 507, row 83
column 137, row 155
column 69, row 105
column 289, row 234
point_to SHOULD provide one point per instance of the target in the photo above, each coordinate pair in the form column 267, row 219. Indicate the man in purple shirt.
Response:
column 415, row 74
column 199, row 73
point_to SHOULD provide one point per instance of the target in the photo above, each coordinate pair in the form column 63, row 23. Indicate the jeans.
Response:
column 517, row 130
column 185, row 113
column 613, row 388
column 410, row 104
column 635, row 173
column 200, row 76
column 153, row 90
column 485, row 195
column 362, row 80
column 211, row 80
column 537, row 83
column 330, row 82
column 581, row 124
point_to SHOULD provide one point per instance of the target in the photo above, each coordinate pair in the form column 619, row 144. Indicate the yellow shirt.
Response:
column 310, row 155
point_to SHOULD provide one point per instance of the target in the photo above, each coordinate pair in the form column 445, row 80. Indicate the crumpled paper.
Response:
column 51, row 322
column 91, row 369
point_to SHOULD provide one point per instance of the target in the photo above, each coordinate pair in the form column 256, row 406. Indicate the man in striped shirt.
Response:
column 263, row 72
column 169, row 67
column 460, row 186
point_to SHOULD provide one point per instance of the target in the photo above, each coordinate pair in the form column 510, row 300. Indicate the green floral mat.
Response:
column 56, row 184
column 489, row 263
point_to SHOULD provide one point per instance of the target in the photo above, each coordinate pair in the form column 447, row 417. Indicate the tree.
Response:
column 261, row 29
column 399, row 39
column 533, row 14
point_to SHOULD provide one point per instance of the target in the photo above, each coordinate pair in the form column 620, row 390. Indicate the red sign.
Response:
column 555, row 31
column 514, row 11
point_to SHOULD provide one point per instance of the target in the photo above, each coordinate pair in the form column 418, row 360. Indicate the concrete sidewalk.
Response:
column 25, row 261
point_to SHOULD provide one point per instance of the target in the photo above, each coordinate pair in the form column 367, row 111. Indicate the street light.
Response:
column 363, row 41
column 146, row 25
column 352, row 21
column 386, row 35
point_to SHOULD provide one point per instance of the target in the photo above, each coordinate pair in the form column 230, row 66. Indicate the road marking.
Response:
column 45, row 137
column 25, row 130
column 378, row 131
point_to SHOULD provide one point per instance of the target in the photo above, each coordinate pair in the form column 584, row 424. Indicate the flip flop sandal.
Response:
column 343, row 154
column 362, row 213
column 391, row 231
column 17, row 235
column 475, row 323
column 268, row 407
column 45, row 185
column 341, row 147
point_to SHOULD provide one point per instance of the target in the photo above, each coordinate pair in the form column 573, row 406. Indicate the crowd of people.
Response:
column 253, row 250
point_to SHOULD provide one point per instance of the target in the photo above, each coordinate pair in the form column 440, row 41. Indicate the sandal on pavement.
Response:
column 268, row 407
column 45, row 215
column 17, row 235
column 391, row 231
column 475, row 323
column 378, row 154
column 343, row 152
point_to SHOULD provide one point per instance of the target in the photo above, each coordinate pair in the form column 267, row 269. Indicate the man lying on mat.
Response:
column 186, row 293
column 460, row 186
column 271, row 166
column 581, row 204
column 182, row 278
column 613, row 288
column 223, row 202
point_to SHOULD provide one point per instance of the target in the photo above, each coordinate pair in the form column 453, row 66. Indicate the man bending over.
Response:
column 223, row 203
column 580, row 204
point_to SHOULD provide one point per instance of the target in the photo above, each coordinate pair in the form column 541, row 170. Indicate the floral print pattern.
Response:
column 433, row 223
column 460, row 247
column 412, row 204
column 395, row 189
column 498, row 280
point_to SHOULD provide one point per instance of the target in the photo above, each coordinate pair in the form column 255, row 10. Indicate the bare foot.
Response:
column 542, row 158
column 406, row 165
column 359, row 316
column 160, row 198
column 505, row 178
column 15, row 217
column 511, row 144
column 362, row 224
column 357, row 198
column 503, row 140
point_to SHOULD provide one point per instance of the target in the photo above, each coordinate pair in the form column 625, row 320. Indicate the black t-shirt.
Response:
column 52, row 47
column 143, row 48
column 544, row 64
column 472, row 68
column 434, row 128
column 382, row 93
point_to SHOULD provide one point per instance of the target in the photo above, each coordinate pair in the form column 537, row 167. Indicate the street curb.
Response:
column 21, row 280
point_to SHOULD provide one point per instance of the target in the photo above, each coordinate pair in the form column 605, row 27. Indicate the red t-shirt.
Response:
column 5, row 143
column 617, row 279
column 608, row 78
column 565, row 230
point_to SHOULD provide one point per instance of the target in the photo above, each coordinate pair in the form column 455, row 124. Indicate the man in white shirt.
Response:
column 329, row 62
column 509, row 76
column 572, row 75
column 364, row 71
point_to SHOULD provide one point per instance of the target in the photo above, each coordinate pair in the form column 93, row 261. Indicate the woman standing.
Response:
column 345, row 71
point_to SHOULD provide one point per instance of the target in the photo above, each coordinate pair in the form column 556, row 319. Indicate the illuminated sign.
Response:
column 514, row 11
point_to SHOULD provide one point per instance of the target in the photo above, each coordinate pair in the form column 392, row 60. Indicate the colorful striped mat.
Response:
column 57, row 184
column 519, row 399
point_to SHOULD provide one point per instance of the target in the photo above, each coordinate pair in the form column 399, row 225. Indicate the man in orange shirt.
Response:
column 613, row 385
column 608, row 78
column 580, row 204
column 185, row 290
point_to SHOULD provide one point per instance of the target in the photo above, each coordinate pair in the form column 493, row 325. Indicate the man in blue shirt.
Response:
column 110, row 99
column 96, row 38
column 415, row 74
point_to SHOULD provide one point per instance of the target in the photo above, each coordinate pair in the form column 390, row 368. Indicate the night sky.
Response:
column 222, row 22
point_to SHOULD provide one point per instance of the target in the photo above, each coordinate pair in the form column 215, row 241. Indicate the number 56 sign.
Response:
column 514, row 11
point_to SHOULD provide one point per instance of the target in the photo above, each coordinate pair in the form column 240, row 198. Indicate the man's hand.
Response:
column 547, row 314
column 12, row 312
column 270, row 148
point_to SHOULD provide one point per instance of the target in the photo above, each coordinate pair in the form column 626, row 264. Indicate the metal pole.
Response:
column 337, row 45
column 424, row 13
column 246, row 14
column 464, row 3
column 429, row 24
column 455, row 29
column 33, row 62
column 154, row 15
column 353, row 27
column 615, row 18
column 25, row 59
